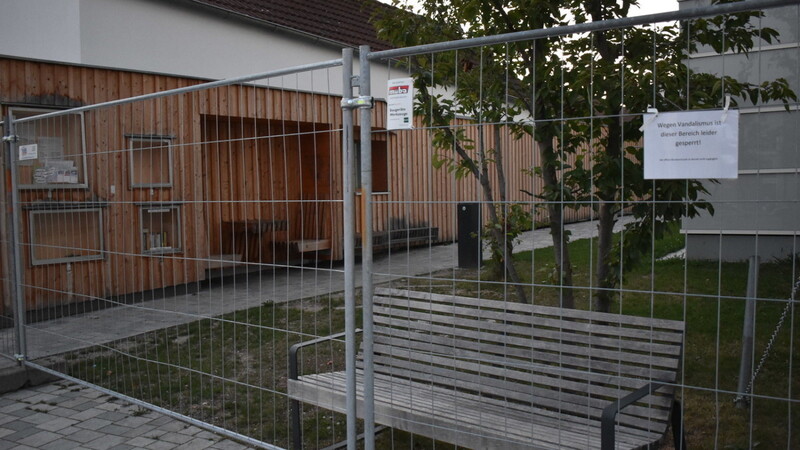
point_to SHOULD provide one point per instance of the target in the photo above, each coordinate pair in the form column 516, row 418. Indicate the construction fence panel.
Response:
column 543, row 128
column 174, row 244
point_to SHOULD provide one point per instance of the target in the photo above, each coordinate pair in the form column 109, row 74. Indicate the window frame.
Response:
column 82, row 184
column 143, row 209
column 168, row 140
column 69, row 259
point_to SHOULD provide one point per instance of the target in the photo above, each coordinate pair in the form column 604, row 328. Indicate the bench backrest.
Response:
column 521, row 356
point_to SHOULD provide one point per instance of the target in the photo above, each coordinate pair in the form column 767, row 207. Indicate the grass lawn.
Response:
column 231, row 370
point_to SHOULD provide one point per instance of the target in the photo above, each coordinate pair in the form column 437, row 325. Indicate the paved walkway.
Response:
column 55, row 337
column 65, row 416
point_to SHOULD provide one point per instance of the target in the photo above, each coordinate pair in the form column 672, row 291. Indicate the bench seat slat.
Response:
column 499, row 314
column 538, row 344
column 519, row 370
column 535, row 309
column 403, row 338
column 408, row 406
column 383, row 314
column 556, row 399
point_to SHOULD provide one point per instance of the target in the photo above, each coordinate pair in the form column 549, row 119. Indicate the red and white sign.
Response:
column 400, row 104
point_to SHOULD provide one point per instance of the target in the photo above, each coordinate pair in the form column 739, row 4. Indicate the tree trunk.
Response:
column 605, row 225
column 606, row 279
column 499, row 236
column 560, row 239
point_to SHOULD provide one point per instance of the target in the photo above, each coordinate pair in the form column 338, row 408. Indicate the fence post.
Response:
column 348, row 171
column 746, row 364
column 364, row 91
column 13, row 239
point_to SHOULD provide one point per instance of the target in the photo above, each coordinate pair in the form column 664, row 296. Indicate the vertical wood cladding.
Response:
column 239, row 155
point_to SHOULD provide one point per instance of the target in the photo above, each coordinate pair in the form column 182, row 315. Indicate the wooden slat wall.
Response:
column 303, row 122
column 421, row 195
column 239, row 153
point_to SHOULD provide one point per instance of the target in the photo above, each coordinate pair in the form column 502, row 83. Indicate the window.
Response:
column 150, row 161
column 66, row 235
column 160, row 228
column 61, row 150
column 380, row 166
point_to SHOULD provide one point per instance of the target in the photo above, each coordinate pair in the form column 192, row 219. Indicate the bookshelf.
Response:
column 160, row 230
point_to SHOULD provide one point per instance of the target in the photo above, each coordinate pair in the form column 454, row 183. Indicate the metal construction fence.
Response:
column 501, row 271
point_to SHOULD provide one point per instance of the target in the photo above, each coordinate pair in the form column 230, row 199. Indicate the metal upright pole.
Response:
column 366, row 246
column 15, row 263
column 348, row 169
column 746, row 364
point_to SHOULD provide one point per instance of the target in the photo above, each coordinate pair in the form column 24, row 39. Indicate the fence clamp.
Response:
column 364, row 101
column 11, row 138
column 20, row 357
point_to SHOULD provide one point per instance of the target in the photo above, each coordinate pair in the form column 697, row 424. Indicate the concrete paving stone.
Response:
column 62, row 444
column 161, row 445
column 69, row 430
column 49, row 388
column 191, row 430
column 87, row 414
column 108, row 406
column 105, row 442
column 114, row 429
column 134, row 421
column 140, row 430
column 112, row 416
column 85, row 406
column 140, row 441
column 73, row 402
column 155, row 434
column 161, row 420
column 205, row 434
column 41, row 398
column 84, row 436
column 24, row 447
column 56, row 424
column 123, row 447
column 93, row 424
column 6, row 432
column 39, row 439
column 17, row 425
column 62, row 412
column 5, row 418
column 172, row 425
column 15, row 409
column 37, row 418
column 228, row 444
column 176, row 438
column 196, row 444
column 6, row 445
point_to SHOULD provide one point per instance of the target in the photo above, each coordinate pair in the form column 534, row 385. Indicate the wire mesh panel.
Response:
column 648, row 298
column 174, row 247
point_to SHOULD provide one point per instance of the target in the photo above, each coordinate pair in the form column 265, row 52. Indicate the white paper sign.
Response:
column 28, row 152
column 400, row 104
column 692, row 144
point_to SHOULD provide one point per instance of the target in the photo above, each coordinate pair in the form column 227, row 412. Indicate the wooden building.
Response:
column 162, row 193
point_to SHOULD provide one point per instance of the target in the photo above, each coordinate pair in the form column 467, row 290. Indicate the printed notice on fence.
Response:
column 400, row 104
column 28, row 152
column 695, row 144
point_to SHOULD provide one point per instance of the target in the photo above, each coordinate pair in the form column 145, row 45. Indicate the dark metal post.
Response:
column 746, row 364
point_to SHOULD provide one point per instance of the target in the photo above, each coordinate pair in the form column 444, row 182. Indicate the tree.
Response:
column 610, row 77
column 495, row 84
column 631, row 70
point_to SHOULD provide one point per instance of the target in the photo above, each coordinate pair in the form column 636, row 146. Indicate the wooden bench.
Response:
column 483, row 373
column 314, row 229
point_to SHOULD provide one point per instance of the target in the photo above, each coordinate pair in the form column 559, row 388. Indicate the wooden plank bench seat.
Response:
column 483, row 373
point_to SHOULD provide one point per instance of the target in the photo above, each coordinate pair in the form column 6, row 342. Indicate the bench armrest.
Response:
column 295, row 349
column 607, row 439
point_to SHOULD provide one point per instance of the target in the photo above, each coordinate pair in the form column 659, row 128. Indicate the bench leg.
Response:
column 297, row 427
column 678, row 436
